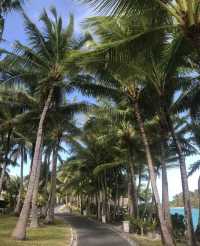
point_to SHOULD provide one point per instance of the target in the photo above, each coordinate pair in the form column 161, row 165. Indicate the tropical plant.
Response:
column 46, row 61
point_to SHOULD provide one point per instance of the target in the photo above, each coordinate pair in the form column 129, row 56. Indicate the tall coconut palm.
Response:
column 59, row 135
column 121, row 49
column 130, row 84
column 7, row 132
column 90, row 173
column 132, row 93
column 183, row 16
column 161, row 75
column 20, row 151
column 47, row 65
column 194, row 167
column 6, row 159
column 45, row 60
column 126, row 138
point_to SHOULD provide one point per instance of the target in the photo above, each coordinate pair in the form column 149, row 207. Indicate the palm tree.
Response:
column 48, row 65
column 34, row 209
column 191, row 96
column 12, row 188
column 20, row 150
column 182, row 16
column 60, row 133
column 127, row 139
column 91, row 172
column 129, row 82
column 47, row 68
column 121, row 46
column 7, row 133
column 6, row 158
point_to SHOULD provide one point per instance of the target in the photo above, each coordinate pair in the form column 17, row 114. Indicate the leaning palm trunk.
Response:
column 34, row 208
column 167, row 237
column 19, row 232
column 186, row 194
column 19, row 198
column 50, row 213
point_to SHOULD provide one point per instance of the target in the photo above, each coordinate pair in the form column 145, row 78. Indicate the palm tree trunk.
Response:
column 186, row 194
column 132, row 192
column 34, row 209
column 19, row 232
column 81, row 203
column 130, row 196
column 46, row 207
column 134, row 189
column 167, row 237
column 6, row 160
column 165, row 192
column 146, row 198
column 103, row 210
column 50, row 213
column 139, row 185
column 99, row 200
column 199, row 200
column 19, row 198
column 3, row 171
column 32, row 156
column 105, row 196
column 197, row 232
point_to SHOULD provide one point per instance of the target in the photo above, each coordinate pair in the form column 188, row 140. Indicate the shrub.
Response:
column 142, row 225
column 178, row 227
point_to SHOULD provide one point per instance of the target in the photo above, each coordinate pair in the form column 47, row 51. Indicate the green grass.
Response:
column 144, row 241
column 51, row 235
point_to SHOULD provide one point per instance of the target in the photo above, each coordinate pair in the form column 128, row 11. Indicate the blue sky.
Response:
column 14, row 23
column 14, row 30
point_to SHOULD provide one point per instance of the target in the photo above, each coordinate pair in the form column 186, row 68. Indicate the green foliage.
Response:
column 143, row 225
column 178, row 227
column 178, row 199
column 12, row 190
column 146, row 53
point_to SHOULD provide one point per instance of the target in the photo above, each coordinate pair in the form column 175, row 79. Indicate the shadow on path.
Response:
column 93, row 234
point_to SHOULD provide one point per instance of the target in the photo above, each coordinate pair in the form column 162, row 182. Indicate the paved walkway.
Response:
column 90, row 233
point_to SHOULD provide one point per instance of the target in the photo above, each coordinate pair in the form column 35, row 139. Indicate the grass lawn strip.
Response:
column 47, row 235
column 144, row 241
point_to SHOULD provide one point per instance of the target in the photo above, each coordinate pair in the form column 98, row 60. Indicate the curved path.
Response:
column 90, row 233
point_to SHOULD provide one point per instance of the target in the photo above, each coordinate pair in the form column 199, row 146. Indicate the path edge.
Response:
column 73, row 241
column 123, row 235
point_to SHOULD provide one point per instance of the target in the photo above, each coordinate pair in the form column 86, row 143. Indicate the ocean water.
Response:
column 195, row 214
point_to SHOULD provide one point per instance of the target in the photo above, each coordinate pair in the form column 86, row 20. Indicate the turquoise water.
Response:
column 195, row 214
